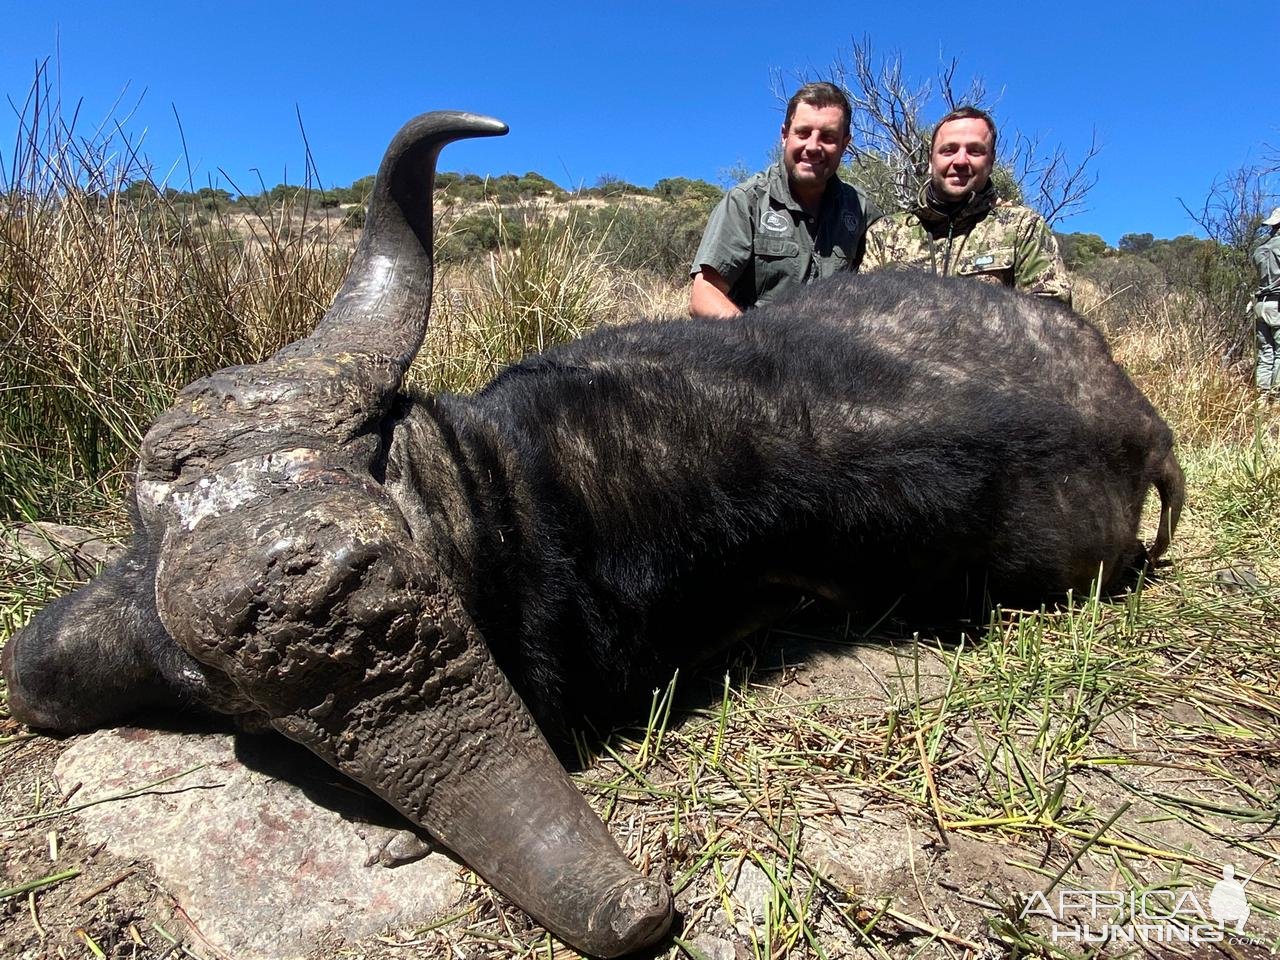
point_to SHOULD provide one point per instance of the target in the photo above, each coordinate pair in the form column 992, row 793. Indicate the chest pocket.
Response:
column 776, row 247
column 993, row 266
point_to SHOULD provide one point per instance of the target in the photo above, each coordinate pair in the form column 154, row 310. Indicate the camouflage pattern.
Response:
column 1266, row 313
column 987, row 239
column 763, row 242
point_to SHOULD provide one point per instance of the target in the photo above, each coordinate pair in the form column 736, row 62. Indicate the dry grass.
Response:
column 1179, row 351
column 551, row 287
column 110, row 304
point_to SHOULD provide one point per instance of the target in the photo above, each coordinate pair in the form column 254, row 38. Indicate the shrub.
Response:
column 658, row 238
column 1081, row 249
column 474, row 234
column 682, row 188
column 1215, row 280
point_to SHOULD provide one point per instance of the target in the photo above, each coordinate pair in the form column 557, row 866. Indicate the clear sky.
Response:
column 1179, row 92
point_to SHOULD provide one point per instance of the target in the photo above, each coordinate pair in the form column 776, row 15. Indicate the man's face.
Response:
column 961, row 159
column 813, row 144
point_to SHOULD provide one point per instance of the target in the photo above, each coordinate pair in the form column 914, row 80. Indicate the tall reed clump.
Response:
column 550, row 287
column 113, row 295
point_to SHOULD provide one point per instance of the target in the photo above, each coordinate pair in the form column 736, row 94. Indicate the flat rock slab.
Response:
column 262, row 845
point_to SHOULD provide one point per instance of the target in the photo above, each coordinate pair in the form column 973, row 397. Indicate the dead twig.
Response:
column 105, row 887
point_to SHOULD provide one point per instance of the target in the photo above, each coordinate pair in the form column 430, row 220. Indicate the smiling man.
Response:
column 959, row 226
column 790, row 224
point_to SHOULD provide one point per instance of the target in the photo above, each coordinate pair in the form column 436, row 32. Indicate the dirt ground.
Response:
column 829, row 863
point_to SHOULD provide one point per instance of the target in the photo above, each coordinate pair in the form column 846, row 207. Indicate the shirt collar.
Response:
column 780, row 190
column 934, row 212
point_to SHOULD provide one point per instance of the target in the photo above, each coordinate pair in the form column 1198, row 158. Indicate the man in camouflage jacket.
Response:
column 960, row 227
column 1266, row 309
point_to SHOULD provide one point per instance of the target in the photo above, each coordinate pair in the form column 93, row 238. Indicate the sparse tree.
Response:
column 1233, row 209
column 612, row 187
column 732, row 175
column 1081, row 249
column 1135, row 242
column 213, row 199
column 679, row 188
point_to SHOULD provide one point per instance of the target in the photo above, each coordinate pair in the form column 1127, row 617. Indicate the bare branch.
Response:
column 1233, row 209
column 1062, row 186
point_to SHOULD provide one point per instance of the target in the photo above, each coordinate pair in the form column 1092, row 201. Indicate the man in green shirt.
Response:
column 1266, row 309
column 790, row 224
column 959, row 227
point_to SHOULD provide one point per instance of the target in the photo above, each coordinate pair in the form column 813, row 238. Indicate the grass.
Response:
column 551, row 287
column 907, row 804
column 110, row 304
column 1052, row 740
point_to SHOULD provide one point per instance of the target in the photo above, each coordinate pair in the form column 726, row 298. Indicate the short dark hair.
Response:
column 965, row 113
column 820, row 94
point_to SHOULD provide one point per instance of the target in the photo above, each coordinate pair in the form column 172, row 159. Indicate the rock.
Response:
column 707, row 947
column 262, row 845
column 753, row 892
column 865, row 855
column 68, row 553
column 1239, row 578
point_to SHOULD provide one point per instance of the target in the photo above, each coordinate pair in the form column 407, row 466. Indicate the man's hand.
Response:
column 710, row 296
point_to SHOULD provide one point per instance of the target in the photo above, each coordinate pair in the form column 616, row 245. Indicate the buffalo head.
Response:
column 271, row 576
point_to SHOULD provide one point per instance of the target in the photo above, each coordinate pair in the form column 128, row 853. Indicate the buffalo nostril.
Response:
column 636, row 915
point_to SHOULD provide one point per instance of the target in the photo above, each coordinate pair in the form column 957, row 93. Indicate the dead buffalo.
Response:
column 412, row 586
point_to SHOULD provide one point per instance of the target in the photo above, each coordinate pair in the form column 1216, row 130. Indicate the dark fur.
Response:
column 618, row 506
column 614, row 508
column 63, row 678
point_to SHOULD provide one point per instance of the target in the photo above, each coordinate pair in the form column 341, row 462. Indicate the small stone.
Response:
column 404, row 847
column 753, row 892
column 1239, row 578
column 714, row 948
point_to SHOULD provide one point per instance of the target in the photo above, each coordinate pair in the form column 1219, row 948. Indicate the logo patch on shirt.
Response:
column 850, row 221
column 771, row 221
column 984, row 261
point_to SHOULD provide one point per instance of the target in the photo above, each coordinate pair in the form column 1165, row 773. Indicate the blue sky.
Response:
column 1178, row 92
